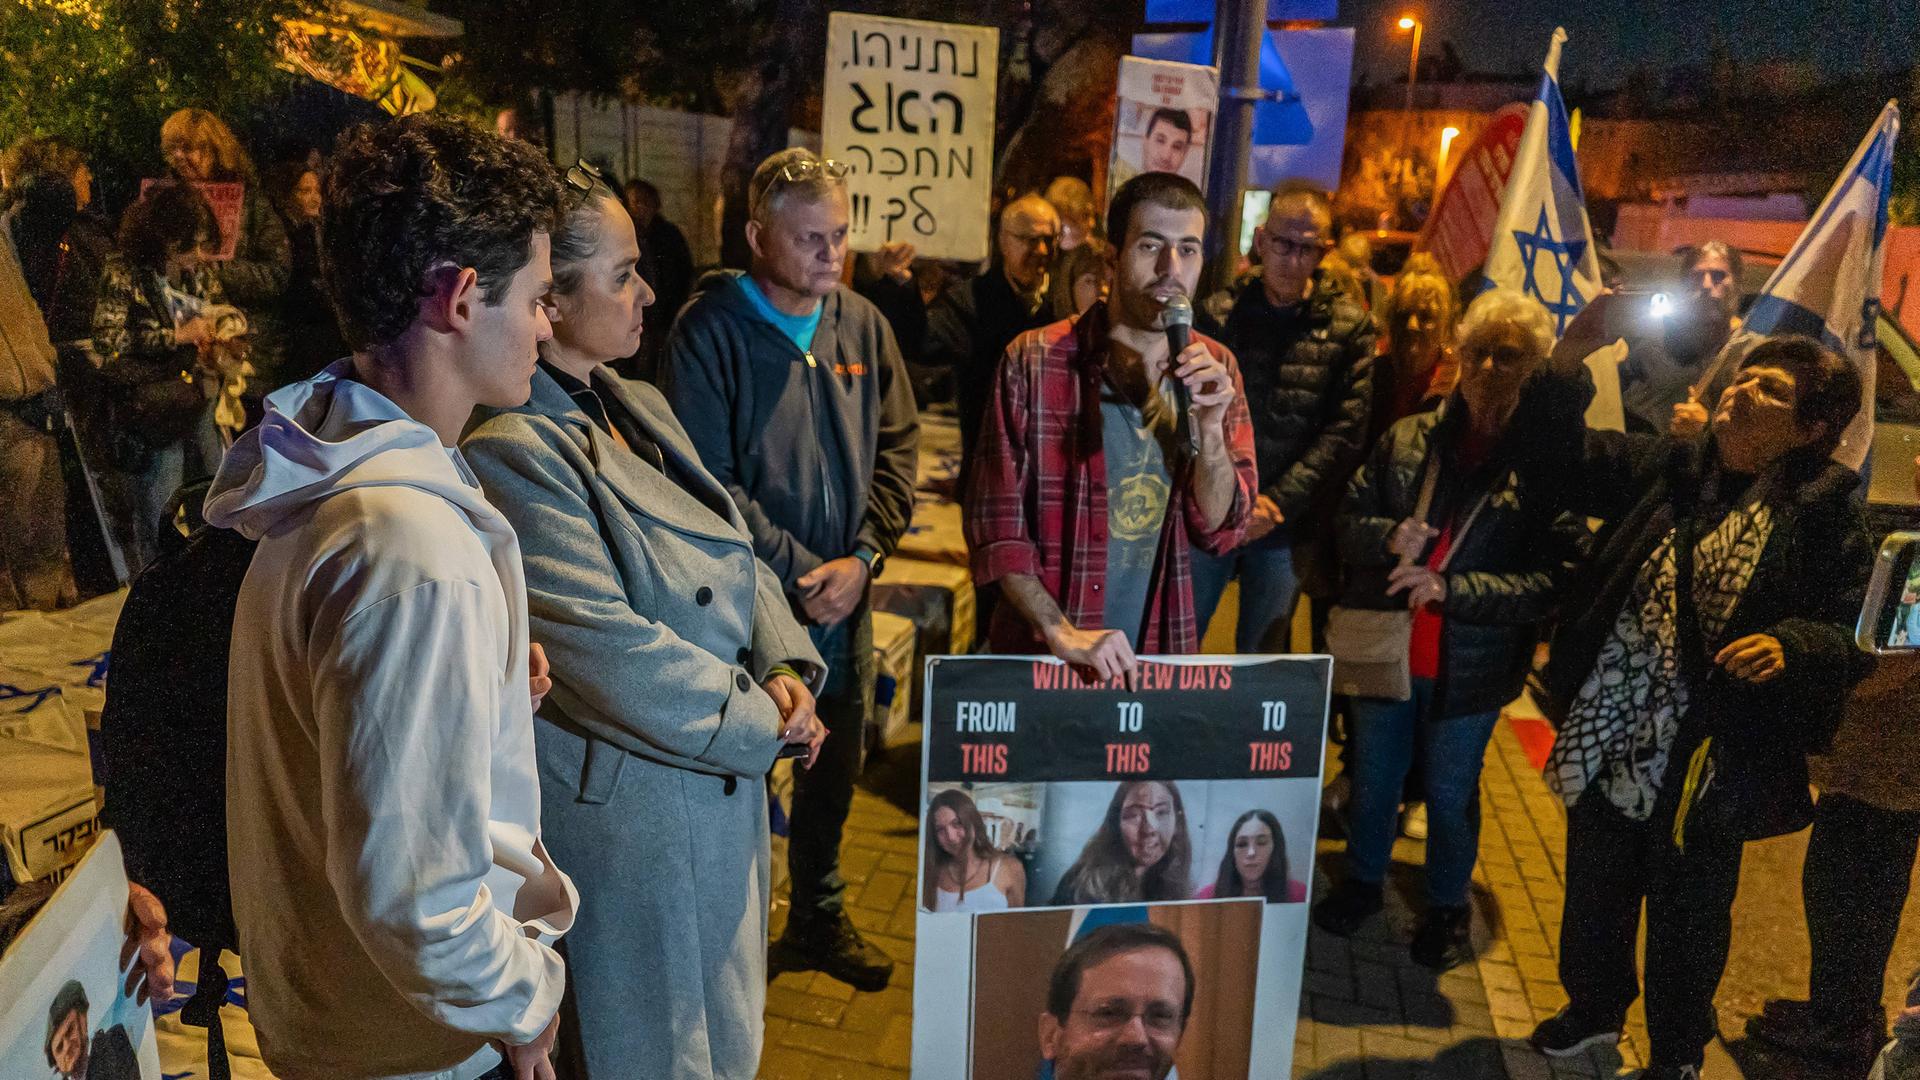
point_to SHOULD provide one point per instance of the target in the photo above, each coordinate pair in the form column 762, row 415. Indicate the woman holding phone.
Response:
column 679, row 673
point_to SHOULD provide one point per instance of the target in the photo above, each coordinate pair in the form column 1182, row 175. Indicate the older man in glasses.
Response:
column 969, row 326
column 1306, row 350
column 792, row 388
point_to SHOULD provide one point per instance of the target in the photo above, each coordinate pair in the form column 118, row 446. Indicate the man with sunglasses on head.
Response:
column 1306, row 350
column 793, row 391
column 1667, row 353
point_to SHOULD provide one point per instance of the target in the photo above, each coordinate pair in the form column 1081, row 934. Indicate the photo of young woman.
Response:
column 1140, row 852
column 963, row 870
column 1255, row 863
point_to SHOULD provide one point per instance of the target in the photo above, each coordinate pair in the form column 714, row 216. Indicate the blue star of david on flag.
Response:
column 1567, row 299
column 1542, row 244
column 97, row 676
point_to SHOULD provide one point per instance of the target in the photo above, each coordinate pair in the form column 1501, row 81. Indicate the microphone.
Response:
column 1177, row 317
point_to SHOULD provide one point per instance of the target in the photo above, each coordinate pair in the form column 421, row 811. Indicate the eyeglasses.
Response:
column 1504, row 359
column 1112, row 1015
column 1032, row 241
column 809, row 168
column 1288, row 248
column 794, row 172
column 583, row 176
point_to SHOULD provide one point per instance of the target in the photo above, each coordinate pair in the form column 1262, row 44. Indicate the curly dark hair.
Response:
column 168, row 218
column 407, row 195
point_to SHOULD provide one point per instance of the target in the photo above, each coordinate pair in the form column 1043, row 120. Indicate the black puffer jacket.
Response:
column 1505, row 578
column 1805, row 591
column 1308, row 371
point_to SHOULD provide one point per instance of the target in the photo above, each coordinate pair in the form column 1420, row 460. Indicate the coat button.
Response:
column 703, row 597
column 745, row 654
column 745, row 684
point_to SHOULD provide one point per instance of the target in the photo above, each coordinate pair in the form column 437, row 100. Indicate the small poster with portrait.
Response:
column 1162, row 120
column 1090, row 849
column 64, row 1008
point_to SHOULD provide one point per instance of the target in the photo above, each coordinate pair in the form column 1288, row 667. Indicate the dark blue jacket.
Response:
column 817, row 447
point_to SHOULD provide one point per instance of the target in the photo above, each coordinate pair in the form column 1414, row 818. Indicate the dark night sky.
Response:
column 1606, row 38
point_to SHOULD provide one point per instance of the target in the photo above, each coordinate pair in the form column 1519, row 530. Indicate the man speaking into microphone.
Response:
column 1107, row 453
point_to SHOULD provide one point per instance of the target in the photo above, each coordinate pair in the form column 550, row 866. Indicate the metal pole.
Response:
column 1238, row 25
column 1406, row 134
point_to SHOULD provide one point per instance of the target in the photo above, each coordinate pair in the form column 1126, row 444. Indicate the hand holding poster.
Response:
column 908, row 106
column 1153, row 843
column 1162, row 120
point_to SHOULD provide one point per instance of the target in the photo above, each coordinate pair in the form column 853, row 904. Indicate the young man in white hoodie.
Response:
column 396, row 906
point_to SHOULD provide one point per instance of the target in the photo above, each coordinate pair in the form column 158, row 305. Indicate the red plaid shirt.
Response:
column 1037, row 500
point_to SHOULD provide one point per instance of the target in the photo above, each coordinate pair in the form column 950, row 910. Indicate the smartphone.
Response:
column 1632, row 311
column 1890, row 617
column 792, row 750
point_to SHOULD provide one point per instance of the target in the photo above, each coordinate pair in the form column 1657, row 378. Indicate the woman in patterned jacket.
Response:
column 1715, row 656
column 155, row 327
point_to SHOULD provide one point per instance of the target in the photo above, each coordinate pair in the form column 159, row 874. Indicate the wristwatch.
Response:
column 872, row 558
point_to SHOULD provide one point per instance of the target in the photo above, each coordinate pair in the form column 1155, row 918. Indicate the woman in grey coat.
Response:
column 678, row 671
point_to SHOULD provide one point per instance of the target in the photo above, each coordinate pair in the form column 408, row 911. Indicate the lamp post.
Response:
column 1408, row 22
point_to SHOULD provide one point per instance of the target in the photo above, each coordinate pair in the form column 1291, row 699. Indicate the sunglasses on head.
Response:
column 796, row 172
column 582, row 177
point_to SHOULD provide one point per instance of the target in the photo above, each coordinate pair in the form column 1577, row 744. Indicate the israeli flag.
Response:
column 1542, row 244
column 1828, row 287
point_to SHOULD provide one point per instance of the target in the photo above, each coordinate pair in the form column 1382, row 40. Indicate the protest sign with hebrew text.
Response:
column 908, row 106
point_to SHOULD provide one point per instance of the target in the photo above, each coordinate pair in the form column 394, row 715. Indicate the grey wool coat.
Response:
column 655, row 742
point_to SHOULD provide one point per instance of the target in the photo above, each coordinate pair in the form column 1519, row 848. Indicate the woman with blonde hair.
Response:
column 1416, row 369
column 200, row 148
column 679, row 672
column 964, row 871
column 1080, row 279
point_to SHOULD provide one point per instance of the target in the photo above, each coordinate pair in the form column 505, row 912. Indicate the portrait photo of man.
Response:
column 1142, row 992
column 1117, row 1005
column 1169, row 136
column 107, row 1055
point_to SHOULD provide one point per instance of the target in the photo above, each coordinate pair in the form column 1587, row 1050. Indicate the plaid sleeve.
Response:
column 1239, row 427
column 999, row 536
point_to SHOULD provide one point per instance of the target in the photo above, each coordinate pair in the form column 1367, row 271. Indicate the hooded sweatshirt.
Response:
column 816, row 445
column 394, row 901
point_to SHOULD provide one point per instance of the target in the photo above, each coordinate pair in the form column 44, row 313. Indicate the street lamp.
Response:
column 1447, row 135
column 1408, row 22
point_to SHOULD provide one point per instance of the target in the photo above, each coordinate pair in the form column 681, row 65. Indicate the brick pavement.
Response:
column 822, row 1029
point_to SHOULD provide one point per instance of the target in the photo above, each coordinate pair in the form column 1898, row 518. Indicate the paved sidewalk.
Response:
column 1368, row 1011
column 822, row 1029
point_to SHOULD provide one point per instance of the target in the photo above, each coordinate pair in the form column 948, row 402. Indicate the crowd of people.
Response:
column 525, row 637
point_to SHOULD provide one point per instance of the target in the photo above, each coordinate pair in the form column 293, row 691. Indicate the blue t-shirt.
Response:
column 798, row 327
column 1138, row 485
